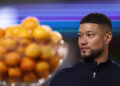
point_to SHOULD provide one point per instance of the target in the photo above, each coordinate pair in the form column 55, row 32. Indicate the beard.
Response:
column 91, row 54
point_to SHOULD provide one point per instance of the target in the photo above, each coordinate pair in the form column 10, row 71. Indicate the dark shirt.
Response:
column 88, row 73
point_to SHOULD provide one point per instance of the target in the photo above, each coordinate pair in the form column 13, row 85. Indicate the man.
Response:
column 96, row 67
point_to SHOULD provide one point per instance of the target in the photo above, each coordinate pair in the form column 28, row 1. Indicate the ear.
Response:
column 108, row 38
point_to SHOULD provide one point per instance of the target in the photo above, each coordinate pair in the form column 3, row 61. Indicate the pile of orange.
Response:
column 28, row 51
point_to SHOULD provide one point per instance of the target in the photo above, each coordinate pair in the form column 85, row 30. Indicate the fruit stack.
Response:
column 29, row 51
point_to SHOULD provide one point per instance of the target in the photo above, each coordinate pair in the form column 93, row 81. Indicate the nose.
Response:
column 82, row 41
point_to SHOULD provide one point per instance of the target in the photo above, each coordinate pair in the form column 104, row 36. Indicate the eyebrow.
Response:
column 79, row 32
column 90, row 31
column 87, row 31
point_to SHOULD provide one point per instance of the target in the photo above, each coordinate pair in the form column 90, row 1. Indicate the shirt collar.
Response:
column 92, row 65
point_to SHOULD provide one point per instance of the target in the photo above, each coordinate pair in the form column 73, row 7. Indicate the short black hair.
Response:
column 98, row 18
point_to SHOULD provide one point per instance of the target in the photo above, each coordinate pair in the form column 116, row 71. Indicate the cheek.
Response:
column 78, row 43
column 96, row 43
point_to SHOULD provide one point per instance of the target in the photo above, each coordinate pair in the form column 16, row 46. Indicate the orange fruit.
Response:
column 46, row 52
column 15, row 30
column 3, row 68
column 44, row 75
column 29, row 77
column 40, row 33
column 24, row 41
column 47, row 28
column 42, row 67
column 27, row 64
column 14, row 72
column 3, row 51
column 32, row 50
column 2, row 77
column 1, row 33
column 8, row 31
column 56, row 37
column 9, row 43
column 20, row 50
column 54, row 63
column 13, row 80
column 12, row 59
column 25, row 33
column 30, row 23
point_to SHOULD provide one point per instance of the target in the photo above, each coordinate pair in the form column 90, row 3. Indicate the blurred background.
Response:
column 63, row 16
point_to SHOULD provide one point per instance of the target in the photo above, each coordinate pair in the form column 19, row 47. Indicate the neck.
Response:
column 103, row 57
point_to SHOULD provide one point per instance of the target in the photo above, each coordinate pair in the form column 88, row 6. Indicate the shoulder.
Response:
column 65, row 73
column 115, row 66
column 77, row 66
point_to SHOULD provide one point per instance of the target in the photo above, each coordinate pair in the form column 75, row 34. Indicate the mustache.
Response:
column 85, row 48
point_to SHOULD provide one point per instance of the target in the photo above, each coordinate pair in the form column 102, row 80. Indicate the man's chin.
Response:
column 85, row 56
column 89, row 56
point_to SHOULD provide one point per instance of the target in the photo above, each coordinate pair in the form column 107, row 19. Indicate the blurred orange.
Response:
column 1, row 32
column 47, row 28
column 3, row 68
column 30, row 23
column 20, row 50
column 3, row 51
column 55, row 37
column 9, row 43
column 46, row 52
column 54, row 63
column 29, row 77
column 25, row 33
column 14, row 72
column 44, row 75
column 13, row 31
column 40, row 33
column 32, row 50
column 27, row 64
column 8, row 31
column 12, row 59
column 42, row 67
column 24, row 41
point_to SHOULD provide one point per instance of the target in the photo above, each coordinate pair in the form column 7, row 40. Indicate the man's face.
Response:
column 91, row 40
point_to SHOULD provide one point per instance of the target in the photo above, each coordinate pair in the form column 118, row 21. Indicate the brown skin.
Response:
column 94, row 41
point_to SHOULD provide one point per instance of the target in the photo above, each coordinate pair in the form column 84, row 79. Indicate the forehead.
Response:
column 89, row 27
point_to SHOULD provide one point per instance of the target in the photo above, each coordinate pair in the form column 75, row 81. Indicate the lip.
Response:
column 84, row 48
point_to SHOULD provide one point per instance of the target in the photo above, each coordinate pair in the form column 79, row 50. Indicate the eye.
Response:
column 79, row 35
column 90, row 35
